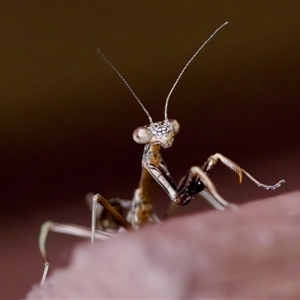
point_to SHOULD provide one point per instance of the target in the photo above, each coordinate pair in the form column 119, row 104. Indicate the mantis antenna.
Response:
column 174, row 85
column 127, row 84
column 201, row 47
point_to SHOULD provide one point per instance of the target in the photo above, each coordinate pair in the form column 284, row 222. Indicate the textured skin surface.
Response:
column 252, row 252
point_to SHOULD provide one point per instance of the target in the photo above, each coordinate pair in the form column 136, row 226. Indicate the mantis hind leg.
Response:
column 69, row 229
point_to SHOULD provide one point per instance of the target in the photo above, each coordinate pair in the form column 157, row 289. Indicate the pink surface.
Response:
column 249, row 253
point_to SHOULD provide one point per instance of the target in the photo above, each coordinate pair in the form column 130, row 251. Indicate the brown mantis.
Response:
column 128, row 214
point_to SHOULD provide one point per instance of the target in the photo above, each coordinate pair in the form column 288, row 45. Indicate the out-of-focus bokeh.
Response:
column 66, row 119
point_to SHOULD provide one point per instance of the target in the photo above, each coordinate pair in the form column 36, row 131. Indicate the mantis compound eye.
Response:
column 142, row 135
column 175, row 125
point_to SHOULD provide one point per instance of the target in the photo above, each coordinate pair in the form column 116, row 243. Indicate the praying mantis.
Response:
column 132, row 214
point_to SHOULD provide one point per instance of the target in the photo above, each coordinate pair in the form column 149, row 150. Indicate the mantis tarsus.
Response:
column 128, row 214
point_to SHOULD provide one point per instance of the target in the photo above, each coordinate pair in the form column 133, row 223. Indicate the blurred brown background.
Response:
column 66, row 118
